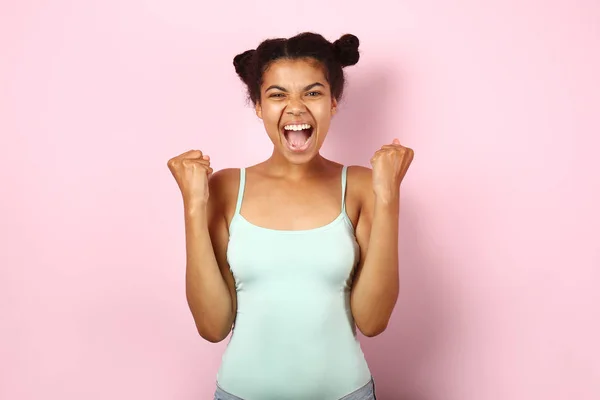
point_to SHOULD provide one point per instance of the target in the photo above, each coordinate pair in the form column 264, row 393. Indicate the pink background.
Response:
column 500, row 225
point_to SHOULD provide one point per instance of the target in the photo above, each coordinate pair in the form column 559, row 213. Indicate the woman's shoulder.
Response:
column 225, row 177
column 359, row 170
column 360, row 184
column 359, row 176
column 224, row 184
column 226, row 174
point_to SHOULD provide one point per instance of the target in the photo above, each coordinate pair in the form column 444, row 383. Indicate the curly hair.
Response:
column 333, row 57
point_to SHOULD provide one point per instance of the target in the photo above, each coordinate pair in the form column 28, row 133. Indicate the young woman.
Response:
column 295, row 252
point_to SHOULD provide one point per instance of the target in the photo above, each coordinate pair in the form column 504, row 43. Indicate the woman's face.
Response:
column 296, row 108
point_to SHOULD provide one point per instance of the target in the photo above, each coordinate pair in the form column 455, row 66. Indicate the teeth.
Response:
column 297, row 127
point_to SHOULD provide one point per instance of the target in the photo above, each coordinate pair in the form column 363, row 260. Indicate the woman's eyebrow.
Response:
column 311, row 86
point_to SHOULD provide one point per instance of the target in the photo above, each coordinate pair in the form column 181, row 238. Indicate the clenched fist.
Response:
column 191, row 170
column 390, row 164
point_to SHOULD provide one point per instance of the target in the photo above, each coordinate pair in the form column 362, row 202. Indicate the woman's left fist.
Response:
column 390, row 164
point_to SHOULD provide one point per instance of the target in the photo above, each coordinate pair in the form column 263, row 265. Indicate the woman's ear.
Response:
column 333, row 106
column 258, row 110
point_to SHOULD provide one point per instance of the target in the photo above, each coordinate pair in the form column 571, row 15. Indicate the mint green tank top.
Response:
column 294, row 336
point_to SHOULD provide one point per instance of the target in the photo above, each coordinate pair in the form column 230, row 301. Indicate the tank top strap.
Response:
column 344, row 179
column 240, row 196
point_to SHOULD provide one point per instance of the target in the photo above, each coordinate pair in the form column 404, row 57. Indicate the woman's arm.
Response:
column 376, row 283
column 210, row 286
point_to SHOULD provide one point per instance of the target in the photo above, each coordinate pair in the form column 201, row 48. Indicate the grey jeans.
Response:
column 366, row 392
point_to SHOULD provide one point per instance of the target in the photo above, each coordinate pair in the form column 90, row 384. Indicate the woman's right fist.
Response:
column 191, row 170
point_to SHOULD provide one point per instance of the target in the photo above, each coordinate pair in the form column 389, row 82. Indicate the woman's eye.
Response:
column 313, row 94
column 277, row 95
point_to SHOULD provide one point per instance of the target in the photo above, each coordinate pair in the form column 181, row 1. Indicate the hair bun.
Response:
column 241, row 61
column 346, row 50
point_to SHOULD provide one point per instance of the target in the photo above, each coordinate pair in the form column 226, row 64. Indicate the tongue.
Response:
column 298, row 138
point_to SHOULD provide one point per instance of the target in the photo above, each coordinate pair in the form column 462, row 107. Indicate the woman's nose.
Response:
column 295, row 111
column 295, row 107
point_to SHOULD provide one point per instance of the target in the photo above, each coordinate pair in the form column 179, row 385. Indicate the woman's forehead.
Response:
column 294, row 72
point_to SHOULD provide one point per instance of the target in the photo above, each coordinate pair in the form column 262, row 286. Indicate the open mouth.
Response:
column 298, row 136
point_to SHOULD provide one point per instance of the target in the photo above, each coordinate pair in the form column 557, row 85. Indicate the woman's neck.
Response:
column 279, row 166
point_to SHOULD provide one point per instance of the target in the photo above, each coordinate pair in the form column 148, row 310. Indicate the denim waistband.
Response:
column 367, row 392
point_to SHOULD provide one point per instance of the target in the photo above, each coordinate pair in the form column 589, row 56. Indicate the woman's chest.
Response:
column 325, row 255
column 300, row 207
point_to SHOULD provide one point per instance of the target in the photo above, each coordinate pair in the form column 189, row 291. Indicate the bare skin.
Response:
column 280, row 194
